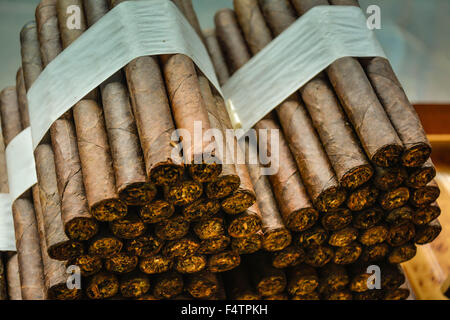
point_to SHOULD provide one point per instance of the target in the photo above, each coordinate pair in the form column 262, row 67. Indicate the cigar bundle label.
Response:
column 7, row 239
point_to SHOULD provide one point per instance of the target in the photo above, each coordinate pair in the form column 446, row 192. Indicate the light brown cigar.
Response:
column 22, row 99
column 375, row 131
column 216, row 55
column 13, row 277
column 77, row 220
column 31, row 58
column 187, row 9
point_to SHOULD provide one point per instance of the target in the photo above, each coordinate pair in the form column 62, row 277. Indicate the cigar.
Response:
column 223, row 261
column 401, row 233
column 421, row 176
column 359, row 277
column 121, row 263
column 102, row 286
column 399, row 215
column 217, row 58
column 13, row 277
column 3, row 286
column 422, row 216
column 402, row 253
column 389, row 178
column 333, row 277
column 427, row 233
column 168, row 285
column 338, row 295
column 376, row 252
column 183, row 193
column 238, row 286
column 146, row 245
column 129, row 227
column 104, row 244
column 348, row 254
column 394, row 198
column 302, row 279
column 190, row 264
column 156, row 211
column 245, row 223
column 343, row 237
column 173, row 228
column 214, row 245
column 392, row 276
column 367, row 218
column 247, row 245
column 209, row 228
column 426, row 195
column 307, row 296
column 88, row 264
column 202, row 285
column 368, row 117
column 373, row 235
column 201, row 208
column 336, row 219
column 183, row 247
column 22, row 99
column 155, row 264
column 288, row 257
column 265, row 278
column 31, row 57
column 77, row 220
column 362, row 198
column 315, row 236
column 134, row 285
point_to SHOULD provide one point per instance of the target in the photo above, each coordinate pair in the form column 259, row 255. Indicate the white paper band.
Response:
column 130, row 30
column 320, row 37
column 20, row 164
column 7, row 238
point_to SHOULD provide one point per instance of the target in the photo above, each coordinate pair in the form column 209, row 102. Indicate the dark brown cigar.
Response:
column 173, row 228
column 318, row 256
column 373, row 235
column 401, row 233
column 426, row 214
column 129, row 227
column 302, row 279
column 212, row 44
column 343, row 237
column 238, row 286
column 155, row 264
column 102, row 286
column 88, row 264
column 333, row 277
column 214, row 245
column 247, row 245
column 389, row 178
column 223, row 261
column 145, row 245
column 426, row 195
column 309, row 296
column 13, row 277
column 427, row 233
column 315, row 236
column 190, row 264
column 367, row 218
column 394, row 198
column 202, row 285
column 336, row 219
column 134, row 285
column 362, row 198
column 183, row 247
column 121, row 263
column 348, row 254
column 419, row 177
column 402, row 254
column 288, row 257
column 376, row 252
column 168, row 285
column 399, row 215
column 209, row 228
column 104, row 244
column 156, row 211
column 202, row 208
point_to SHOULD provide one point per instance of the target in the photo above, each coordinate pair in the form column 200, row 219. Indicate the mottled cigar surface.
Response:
column 104, row 244
column 121, row 263
column 13, row 277
column 168, row 285
column 145, row 245
column 156, row 211
column 425, row 195
column 245, row 223
column 247, row 245
column 288, row 257
column 88, row 264
column 129, row 227
column 336, row 219
column 362, row 198
column 395, row 198
column 186, row 246
column 155, row 264
column 265, row 278
column 422, row 216
column 134, row 285
column 218, row 59
column 367, row 218
column 318, row 255
column 202, row 285
column 10, row 115
column 348, row 254
column 102, row 286
column 427, row 233
column 333, row 277
column 419, row 177
column 223, row 261
column 238, row 286
column 389, row 178
column 402, row 253
column 302, row 279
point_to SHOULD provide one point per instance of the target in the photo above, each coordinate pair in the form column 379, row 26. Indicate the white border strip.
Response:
column 320, row 37
column 7, row 237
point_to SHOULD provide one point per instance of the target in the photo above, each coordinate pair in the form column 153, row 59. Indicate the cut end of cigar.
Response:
column 105, row 247
column 201, row 208
column 425, row 215
column 416, row 155
column 121, row 263
column 302, row 219
column 88, row 264
column 81, row 229
column 172, row 229
column 214, row 245
column 238, row 202
column 102, row 286
column 401, row 233
column 61, row 292
column 329, row 199
column 307, row 296
column 392, row 178
column 134, row 287
column 168, row 286
column 128, row 228
column 395, row 198
column 318, row 256
column 156, row 211
column 205, row 172
column 244, row 225
column 347, row 255
column 190, row 264
column 202, row 287
column 181, row 248
column 343, row 237
column 184, row 193
column 388, row 155
column 145, row 246
column 65, row 250
column 357, row 177
column 109, row 210
column 272, row 285
column 315, row 236
column 166, row 173
column 304, row 285
column 427, row 234
column 373, row 235
column 276, row 240
column 375, row 253
column 367, row 218
column 362, row 198
column 421, row 177
column 425, row 195
column 223, row 261
column 248, row 244
column 402, row 254
column 138, row 194
column 289, row 257
column 155, row 264
column 209, row 228
column 336, row 219
column 223, row 186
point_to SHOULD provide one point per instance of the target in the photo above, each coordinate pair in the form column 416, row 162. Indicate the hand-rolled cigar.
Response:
column 265, row 278
column 183, row 193
column 401, row 233
column 121, row 263
column 156, row 211
column 288, row 257
column 333, row 277
column 376, row 252
column 348, row 254
column 201, row 208
column 426, row 195
column 214, row 245
column 239, row 201
column 217, row 58
column 402, row 254
column 396, row 294
column 399, row 215
column 359, row 277
column 129, row 227
column 134, row 285
column 336, row 219
column 96, row 163
column 13, row 277
column 362, row 198
column 88, row 264
column 145, row 245
column 202, row 285
column 338, row 295
column 22, row 99
column 245, row 223
column 104, row 244
column 183, row 247
column 392, row 276
column 31, row 57
column 223, row 261
column 3, row 289
column 153, row 120
column 373, row 235
column 173, row 228
column 389, row 178
column 168, row 285
column 190, row 264
column 424, row 215
column 419, row 177
column 315, row 236
column 155, row 264
column 59, row 246
column 102, row 286
column 10, row 115
column 238, row 286
column 318, row 256
column 301, row 279
column 427, row 233
column 247, row 245
column 394, row 198
column 308, row 296
column 367, row 218
column 343, row 237
column 209, row 228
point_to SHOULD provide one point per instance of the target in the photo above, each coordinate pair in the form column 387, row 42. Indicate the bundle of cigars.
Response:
column 354, row 187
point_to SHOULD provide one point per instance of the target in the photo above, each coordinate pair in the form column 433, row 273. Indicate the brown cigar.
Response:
column 129, row 227
column 399, row 215
column 185, row 246
column 427, row 233
column 247, row 245
column 373, row 235
column 336, row 219
column 202, row 285
column 419, row 177
column 309, row 296
column 218, row 59
column 367, row 218
column 343, row 237
column 145, row 245
column 348, row 254
column 376, row 252
column 401, row 233
column 238, row 286
column 190, row 264
column 88, row 264
column 134, row 285
column 368, row 117
column 302, row 279
column 209, row 228
column 425, row 195
column 13, row 277
column 102, row 286
column 288, row 257
column 265, row 278
column 223, row 261
column 155, row 264
column 318, row 256
column 315, row 236
column 214, row 245
column 402, row 254
column 395, row 198
column 173, row 228
column 3, row 284
column 362, row 198
column 333, row 277
column 104, row 244
column 422, row 216
column 168, row 285
column 121, row 263
column 389, row 178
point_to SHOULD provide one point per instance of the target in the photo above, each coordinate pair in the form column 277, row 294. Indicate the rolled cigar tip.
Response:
column 102, row 286
column 81, row 228
column 244, row 224
column 201, row 208
column 168, row 285
column 89, row 264
column 357, row 176
column 190, row 264
column 65, row 250
column 401, row 233
column 134, row 285
column 348, row 254
column 330, row 198
column 302, row 279
column 276, row 240
column 109, row 210
column 156, row 211
column 121, row 263
column 202, row 285
column 155, row 264
column 247, row 245
column 145, row 245
column 222, row 186
column 288, row 257
column 223, row 261
column 239, row 201
column 214, row 245
column 185, row 246
column 415, row 156
column 402, row 254
column 105, row 246
column 424, row 215
column 425, row 195
column 27, row 31
column 427, row 233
